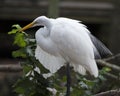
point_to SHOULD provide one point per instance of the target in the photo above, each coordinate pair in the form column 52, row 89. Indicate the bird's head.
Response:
column 39, row 21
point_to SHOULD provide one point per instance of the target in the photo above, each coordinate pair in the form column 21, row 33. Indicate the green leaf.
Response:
column 102, row 78
column 29, row 51
column 17, row 26
column 20, row 40
column 64, row 79
column 15, row 30
column 19, row 53
column 32, row 40
column 19, row 90
column 90, row 83
column 27, row 68
column 23, row 86
column 83, row 85
column 106, row 69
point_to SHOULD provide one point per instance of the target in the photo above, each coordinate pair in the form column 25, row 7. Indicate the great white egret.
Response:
column 64, row 40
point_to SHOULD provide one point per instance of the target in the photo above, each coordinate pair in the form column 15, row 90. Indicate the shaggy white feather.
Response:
column 53, row 63
column 49, row 61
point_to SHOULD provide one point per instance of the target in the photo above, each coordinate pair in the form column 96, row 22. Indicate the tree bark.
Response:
column 10, row 68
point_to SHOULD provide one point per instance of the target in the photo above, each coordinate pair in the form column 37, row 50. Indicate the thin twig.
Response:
column 111, row 76
column 112, row 57
column 111, row 65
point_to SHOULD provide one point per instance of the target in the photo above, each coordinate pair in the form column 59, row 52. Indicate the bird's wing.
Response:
column 50, row 62
column 74, row 44
column 100, row 49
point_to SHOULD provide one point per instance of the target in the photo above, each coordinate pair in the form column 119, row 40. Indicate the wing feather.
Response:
column 100, row 49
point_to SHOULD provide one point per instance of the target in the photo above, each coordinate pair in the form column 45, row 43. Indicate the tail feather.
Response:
column 92, row 68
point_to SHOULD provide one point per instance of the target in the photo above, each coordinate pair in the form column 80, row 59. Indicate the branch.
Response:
column 109, row 93
column 10, row 68
column 104, row 63
column 112, row 76
column 112, row 57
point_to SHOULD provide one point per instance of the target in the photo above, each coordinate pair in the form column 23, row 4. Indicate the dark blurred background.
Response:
column 101, row 17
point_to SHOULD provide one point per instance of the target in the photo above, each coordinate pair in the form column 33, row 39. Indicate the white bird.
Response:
column 64, row 40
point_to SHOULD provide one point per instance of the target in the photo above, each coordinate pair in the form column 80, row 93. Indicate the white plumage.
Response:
column 64, row 40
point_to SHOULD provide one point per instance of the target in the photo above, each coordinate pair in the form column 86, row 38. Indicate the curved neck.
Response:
column 47, row 28
column 47, row 24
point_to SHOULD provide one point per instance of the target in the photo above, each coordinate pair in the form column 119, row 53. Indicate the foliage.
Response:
column 88, row 87
column 33, row 83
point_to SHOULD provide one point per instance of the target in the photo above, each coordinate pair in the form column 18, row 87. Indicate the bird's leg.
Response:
column 68, row 79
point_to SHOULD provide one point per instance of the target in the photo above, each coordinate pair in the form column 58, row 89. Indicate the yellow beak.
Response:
column 27, row 26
